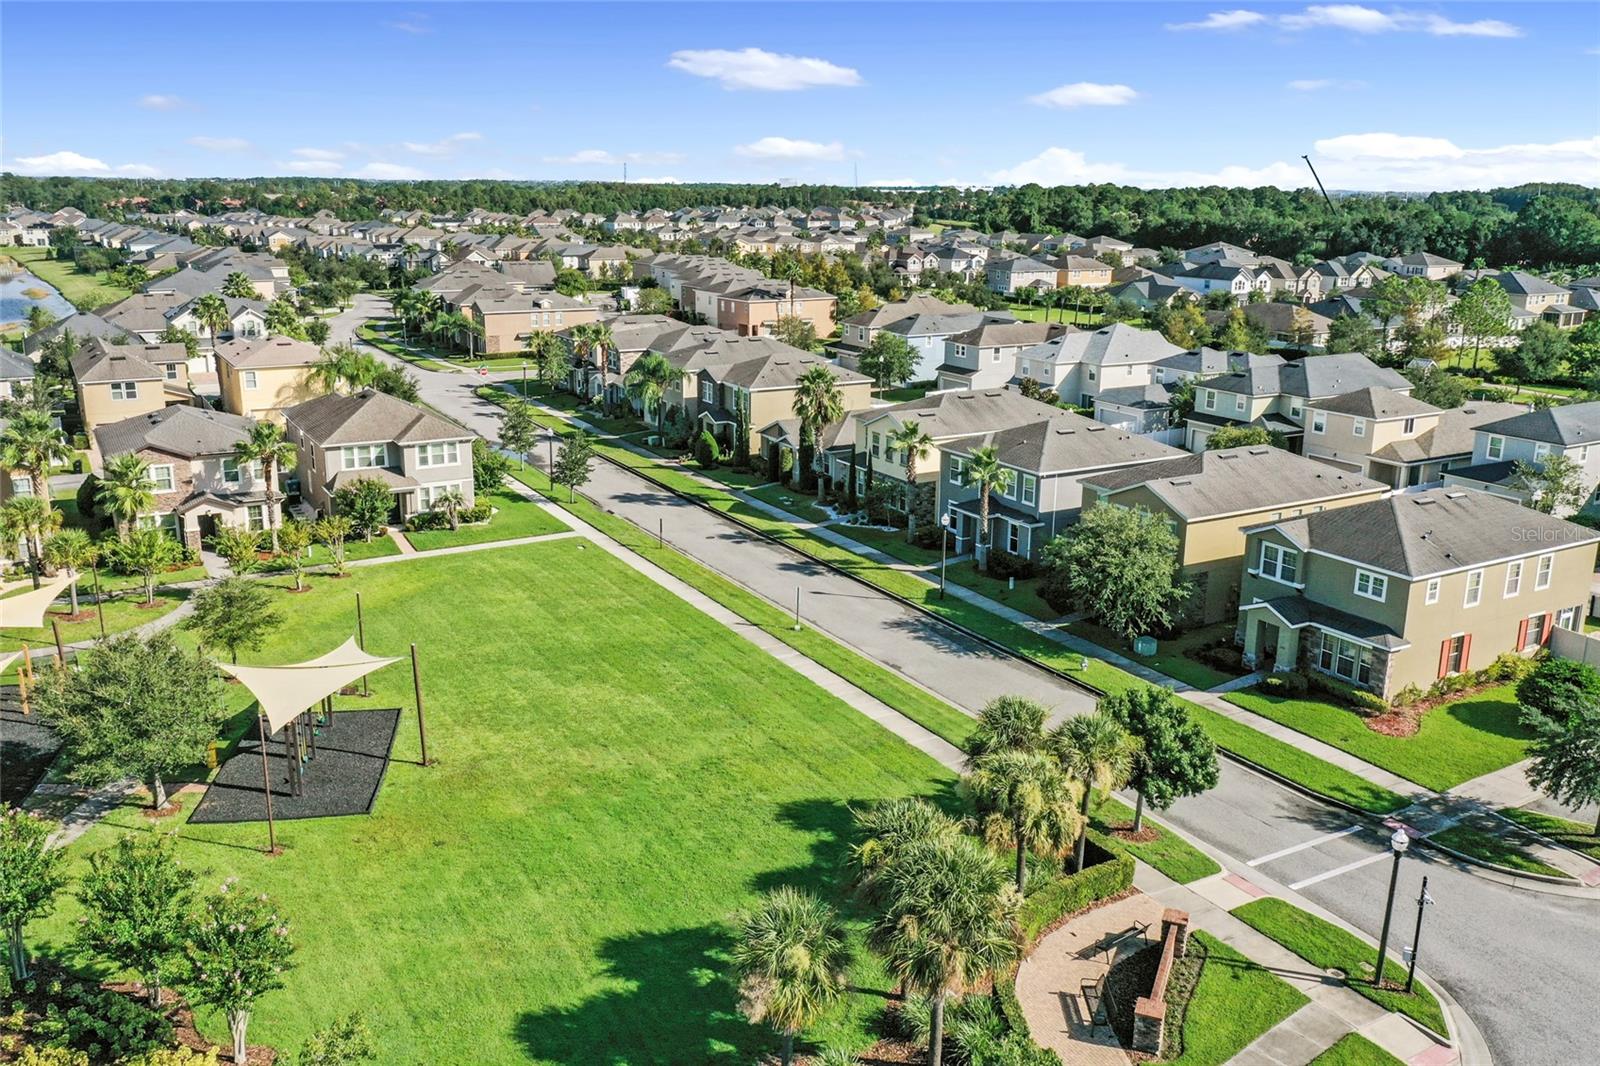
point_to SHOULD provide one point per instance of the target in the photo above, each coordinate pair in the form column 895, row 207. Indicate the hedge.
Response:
column 1107, row 870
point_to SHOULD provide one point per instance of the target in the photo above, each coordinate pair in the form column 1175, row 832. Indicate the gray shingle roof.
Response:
column 180, row 430
column 268, row 351
column 1234, row 480
column 1453, row 435
column 1064, row 442
column 368, row 416
column 1312, row 377
column 1375, row 403
column 99, row 362
column 1116, row 344
column 1576, row 423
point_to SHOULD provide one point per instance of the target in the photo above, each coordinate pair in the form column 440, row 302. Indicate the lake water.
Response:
column 15, row 301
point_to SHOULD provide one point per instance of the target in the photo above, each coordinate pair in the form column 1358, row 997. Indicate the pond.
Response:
column 20, row 291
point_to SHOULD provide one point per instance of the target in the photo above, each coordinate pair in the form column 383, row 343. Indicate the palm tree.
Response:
column 266, row 445
column 211, row 311
column 1007, row 723
column 887, row 829
column 451, row 502
column 126, row 490
column 342, row 365
column 237, row 285
column 26, row 521
column 648, row 381
column 949, row 922
column 71, row 549
column 792, row 957
column 817, row 402
column 913, row 442
column 1024, row 800
column 32, row 443
column 984, row 470
column 1098, row 753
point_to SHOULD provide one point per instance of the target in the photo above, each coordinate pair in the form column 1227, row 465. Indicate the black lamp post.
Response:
column 1398, row 844
column 944, row 548
column 1423, row 901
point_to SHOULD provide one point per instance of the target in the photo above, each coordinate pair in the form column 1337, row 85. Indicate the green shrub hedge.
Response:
column 1106, row 872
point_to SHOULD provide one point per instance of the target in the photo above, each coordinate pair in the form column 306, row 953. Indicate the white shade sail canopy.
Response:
column 26, row 610
column 286, row 691
column 7, row 660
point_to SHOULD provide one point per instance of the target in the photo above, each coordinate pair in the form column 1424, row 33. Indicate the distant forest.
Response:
column 1529, row 225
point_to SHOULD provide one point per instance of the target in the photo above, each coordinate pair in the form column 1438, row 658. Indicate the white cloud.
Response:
column 162, row 102
column 442, row 147
column 416, row 23
column 602, row 157
column 310, row 166
column 389, row 172
column 138, row 170
column 1222, row 20
column 1085, row 94
column 665, row 180
column 321, row 155
column 221, row 144
column 789, row 148
column 1355, row 18
column 1313, row 85
column 1361, row 161
column 62, row 162
column 755, row 68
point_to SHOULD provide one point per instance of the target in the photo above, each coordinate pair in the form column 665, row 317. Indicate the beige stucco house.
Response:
column 118, row 381
column 261, row 377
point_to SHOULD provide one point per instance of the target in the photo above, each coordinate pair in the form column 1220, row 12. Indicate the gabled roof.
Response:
column 1521, row 283
column 179, row 430
column 955, row 414
column 260, row 352
column 1420, row 534
column 1312, row 377
column 1010, row 334
column 1375, row 403
column 1570, row 424
column 1236, row 480
column 780, row 370
column 1118, row 344
column 100, row 363
column 920, row 304
column 369, row 416
column 1453, row 434
column 1064, row 442
column 15, row 366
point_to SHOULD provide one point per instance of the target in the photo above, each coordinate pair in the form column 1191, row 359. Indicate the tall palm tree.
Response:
column 817, row 402
column 887, row 829
column 31, row 442
column 1098, row 753
column 237, row 285
column 949, row 922
column 211, row 311
column 1025, row 801
column 26, row 521
column 913, row 442
column 126, row 490
column 342, row 365
column 1007, row 723
column 648, row 381
column 984, row 470
column 792, row 957
column 71, row 549
column 266, row 445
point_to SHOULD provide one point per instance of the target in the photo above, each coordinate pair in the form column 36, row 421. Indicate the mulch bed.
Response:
column 344, row 777
column 1406, row 721
column 27, row 747
column 1143, row 836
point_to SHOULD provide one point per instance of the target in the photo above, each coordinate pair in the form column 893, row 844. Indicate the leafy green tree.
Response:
column 346, row 1041
column 655, row 301
column 1482, row 313
column 1566, row 755
column 648, row 380
column 572, row 462
column 1239, row 334
column 331, row 532
column 234, row 613
column 888, row 360
column 367, row 503
column 518, row 430
column 136, row 898
column 1538, row 357
column 986, row 472
column 265, row 444
column 240, row 546
column 1435, row 385
column 793, row 960
column 179, row 335
column 126, row 491
column 293, row 541
column 238, row 951
column 31, row 873
column 1557, row 688
column 1554, row 483
column 817, row 403
column 317, row 331
column 74, row 550
column 393, row 381
column 147, row 552
column 948, row 922
column 1237, row 437
column 1353, row 333
column 551, row 358
column 1098, row 753
column 1174, row 758
column 1183, row 324
column 1120, row 566
column 139, row 708
column 40, row 318
column 489, row 467
column 796, row 332
column 913, row 442
column 1026, row 802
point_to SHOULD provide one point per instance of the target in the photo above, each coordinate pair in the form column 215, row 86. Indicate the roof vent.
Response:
column 1227, row 456
column 1259, row 451
column 1098, row 429
column 1455, row 495
column 1181, row 481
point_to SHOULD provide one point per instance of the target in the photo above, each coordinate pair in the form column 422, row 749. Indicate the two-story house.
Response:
column 1395, row 438
column 1532, row 437
column 199, row 486
column 16, row 373
column 1236, row 279
column 1009, row 273
column 761, row 391
column 1402, row 591
column 1274, row 396
column 1077, row 366
column 262, row 376
column 753, row 310
column 509, row 318
column 1423, row 265
column 1046, row 461
column 985, row 356
column 1082, row 271
column 118, row 381
column 923, row 322
column 1210, row 499
column 342, row 439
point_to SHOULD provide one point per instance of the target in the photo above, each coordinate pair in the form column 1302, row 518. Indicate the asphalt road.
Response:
column 1526, row 966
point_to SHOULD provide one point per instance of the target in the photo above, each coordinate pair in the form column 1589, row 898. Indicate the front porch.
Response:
column 1292, row 633
column 1010, row 530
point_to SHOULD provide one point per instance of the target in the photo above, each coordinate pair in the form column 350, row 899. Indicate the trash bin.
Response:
column 77, row 466
column 1144, row 645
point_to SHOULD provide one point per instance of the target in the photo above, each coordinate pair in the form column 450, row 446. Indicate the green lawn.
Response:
column 1032, row 313
column 1353, row 1049
column 1578, row 836
column 83, row 291
column 515, row 516
column 385, row 341
column 1170, row 657
column 1491, row 848
column 803, row 505
column 1268, row 752
column 354, row 548
column 916, row 390
column 1233, row 1003
column 125, row 612
column 560, row 882
column 1456, row 742
column 1168, row 852
column 1327, row 946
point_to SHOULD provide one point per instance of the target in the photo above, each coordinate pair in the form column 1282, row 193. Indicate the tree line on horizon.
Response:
column 1531, row 225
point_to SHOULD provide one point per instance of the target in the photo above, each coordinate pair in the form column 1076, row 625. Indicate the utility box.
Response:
column 1144, row 645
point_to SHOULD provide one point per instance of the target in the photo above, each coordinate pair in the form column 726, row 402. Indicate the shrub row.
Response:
column 1107, row 870
column 423, row 521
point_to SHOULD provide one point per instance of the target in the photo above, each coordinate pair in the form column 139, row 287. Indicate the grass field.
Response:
column 515, row 516
column 1353, row 1049
column 1032, row 313
column 1494, row 849
column 1457, row 742
column 1578, row 836
column 1170, row 657
column 1234, row 1001
column 83, row 291
column 1327, row 946
column 557, row 888
column 123, row 613
column 1168, row 852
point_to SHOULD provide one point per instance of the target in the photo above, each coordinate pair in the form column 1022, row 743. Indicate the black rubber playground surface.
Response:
column 352, row 755
column 27, row 746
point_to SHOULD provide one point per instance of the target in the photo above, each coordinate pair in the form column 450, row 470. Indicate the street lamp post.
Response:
column 1423, row 901
column 1398, row 844
column 944, row 548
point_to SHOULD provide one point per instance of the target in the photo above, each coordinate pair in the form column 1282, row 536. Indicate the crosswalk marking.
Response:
column 1303, row 846
column 1336, row 871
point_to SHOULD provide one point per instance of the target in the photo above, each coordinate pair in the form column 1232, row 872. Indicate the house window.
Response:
column 428, row 495
column 1013, row 538
column 1410, row 426
column 1296, row 409
column 256, row 517
column 161, row 476
column 1030, row 489
column 1432, row 593
column 230, row 471
column 1008, row 484
column 1455, row 654
column 1358, row 427
column 1372, row 586
column 1534, row 635
column 877, row 445
column 364, row 456
column 958, row 471
column 861, row 480
column 1495, row 448
column 1280, row 564
column 124, row 390
column 439, row 453
column 1210, row 399
column 1513, row 579
column 1091, row 374
column 1541, row 450
column 1238, row 402
column 249, row 379
column 1541, row 577
column 1567, row 618
column 1345, row 658
column 708, row 391
column 170, row 370
column 996, row 357
column 1474, row 589
column 1319, row 422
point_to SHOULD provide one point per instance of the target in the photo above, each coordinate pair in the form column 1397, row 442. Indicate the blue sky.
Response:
column 1409, row 96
